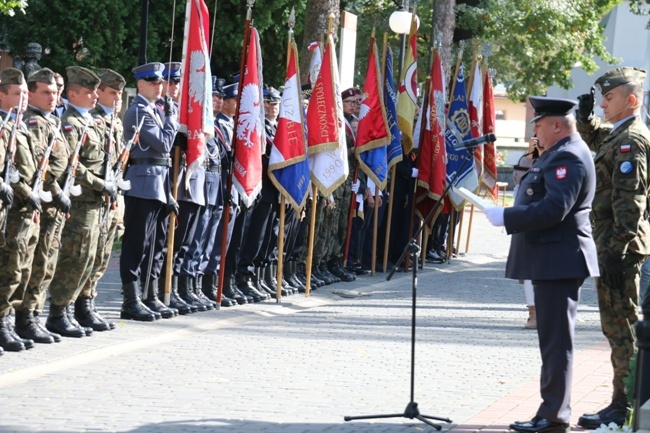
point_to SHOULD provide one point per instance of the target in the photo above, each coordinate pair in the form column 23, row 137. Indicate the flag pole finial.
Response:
column 292, row 19
column 249, row 12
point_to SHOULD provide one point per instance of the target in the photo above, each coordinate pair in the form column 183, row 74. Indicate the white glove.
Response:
column 355, row 186
column 494, row 215
column 414, row 172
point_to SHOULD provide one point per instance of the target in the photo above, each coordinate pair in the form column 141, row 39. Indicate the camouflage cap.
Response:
column 82, row 77
column 45, row 75
column 618, row 76
column 111, row 79
column 12, row 76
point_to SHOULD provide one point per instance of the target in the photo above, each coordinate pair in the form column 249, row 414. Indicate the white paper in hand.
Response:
column 477, row 201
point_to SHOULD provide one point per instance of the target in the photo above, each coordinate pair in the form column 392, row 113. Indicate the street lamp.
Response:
column 400, row 23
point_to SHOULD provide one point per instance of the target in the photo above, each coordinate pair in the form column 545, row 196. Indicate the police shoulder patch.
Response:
column 561, row 172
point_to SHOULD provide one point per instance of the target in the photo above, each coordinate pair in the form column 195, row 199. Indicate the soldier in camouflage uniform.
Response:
column 109, row 102
column 619, row 217
column 17, row 251
column 43, row 127
column 80, row 234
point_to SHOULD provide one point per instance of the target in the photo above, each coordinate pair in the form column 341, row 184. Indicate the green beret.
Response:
column 12, row 76
column 111, row 79
column 45, row 75
column 618, row 76
column 82, row 77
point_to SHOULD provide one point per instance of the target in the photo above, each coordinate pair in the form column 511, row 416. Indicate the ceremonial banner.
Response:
column 489, row 175
column 475, row 114
column 394, row 149
column 459, row 130
column 408, row 90
column 250, row 137
column 314, row 65
column 328, row 160
column 373, row 133
column 433, row 156
column 288, row 165
column 195, row 104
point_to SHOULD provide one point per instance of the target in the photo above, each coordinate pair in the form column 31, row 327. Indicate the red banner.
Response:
column 489, row 176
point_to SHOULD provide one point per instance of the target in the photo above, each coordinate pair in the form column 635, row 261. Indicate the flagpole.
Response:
column 171, row 226
column 392, row 170
column 214, row 23
column 280, row 270
column 226, row 205
column 310, row 241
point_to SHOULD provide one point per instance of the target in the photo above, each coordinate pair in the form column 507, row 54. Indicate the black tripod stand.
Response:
column 412, row 411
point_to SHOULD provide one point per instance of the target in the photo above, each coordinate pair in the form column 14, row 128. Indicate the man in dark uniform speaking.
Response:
column 552, row 246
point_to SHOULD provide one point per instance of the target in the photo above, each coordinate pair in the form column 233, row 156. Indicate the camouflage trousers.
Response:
column 322, row 230
column 342, row 197
column 103, row 254
column 77, row 254
column 618, row 313
column 44, row 263
column 16, row 257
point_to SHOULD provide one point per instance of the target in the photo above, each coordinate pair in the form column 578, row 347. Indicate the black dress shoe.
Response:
column 616, row 412
column 540, row 425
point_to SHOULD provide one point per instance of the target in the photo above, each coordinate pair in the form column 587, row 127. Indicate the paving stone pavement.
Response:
column 303, row 364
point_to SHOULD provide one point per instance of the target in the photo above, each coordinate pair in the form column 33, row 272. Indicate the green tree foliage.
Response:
column 98, row 34
column 535, row 44
column 10, row 7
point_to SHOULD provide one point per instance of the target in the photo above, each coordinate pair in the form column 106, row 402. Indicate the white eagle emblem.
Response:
column 249, row 122
column 197, row 79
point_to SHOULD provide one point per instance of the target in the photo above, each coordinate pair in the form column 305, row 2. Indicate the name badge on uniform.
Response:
column 625, row 148
column 561, row 172
column 626, row 167
column 535, row 169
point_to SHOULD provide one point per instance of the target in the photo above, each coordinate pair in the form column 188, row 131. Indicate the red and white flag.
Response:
column 475, row 114
column 328, row 160
column 408, row 90
column 250, row 136
column 433, row 156
column 373, row 132
column 288, row 165
column 489, row 175
column 195, row 104
column 314, row 65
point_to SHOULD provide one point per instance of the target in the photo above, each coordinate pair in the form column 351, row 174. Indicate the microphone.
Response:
column 475, row 142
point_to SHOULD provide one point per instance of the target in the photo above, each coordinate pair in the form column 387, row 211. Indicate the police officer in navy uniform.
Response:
column 552, row 245
column 149, row 198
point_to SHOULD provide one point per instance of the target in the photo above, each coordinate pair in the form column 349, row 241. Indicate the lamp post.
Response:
column 400, row 23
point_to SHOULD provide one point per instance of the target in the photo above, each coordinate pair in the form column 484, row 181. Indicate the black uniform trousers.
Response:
column 556, row 302
column 140, row 219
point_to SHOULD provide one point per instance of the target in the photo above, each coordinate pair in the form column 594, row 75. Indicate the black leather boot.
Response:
column 155, row 304
column 7, row 340
column 26, row 327
column 616, row 412
column 336, row 269
column 58, row 322
column 87, row 329
column 245, row 286
column 132, row 307
column 198, row 293
column 290, row 276
column 230, row 291
column 186, row 292
column 175, row 301
column 210, row 289
column 57, row 338
column 270, row 277
column 85, row 316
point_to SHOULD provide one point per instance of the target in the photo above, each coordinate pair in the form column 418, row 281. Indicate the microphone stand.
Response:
column 412, row 411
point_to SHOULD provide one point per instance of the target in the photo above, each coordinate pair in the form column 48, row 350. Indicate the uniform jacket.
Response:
column 213, row 171
column 549, row 222
column 622, row 185
column 149, row 181
column 90, row 170
column 24, row 161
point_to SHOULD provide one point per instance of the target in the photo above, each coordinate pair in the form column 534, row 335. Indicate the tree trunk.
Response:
column 445, row 22
column 316, row 17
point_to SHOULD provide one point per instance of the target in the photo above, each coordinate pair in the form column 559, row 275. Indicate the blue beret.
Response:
column 230, row 91
column 172, row 72
column 149, row 71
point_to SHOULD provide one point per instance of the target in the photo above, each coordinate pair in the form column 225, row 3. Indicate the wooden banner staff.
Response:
column 351, row 209
column 393, row 170
column 280, row 271
column 226, row 205
column 214, row 23
column 171, row 226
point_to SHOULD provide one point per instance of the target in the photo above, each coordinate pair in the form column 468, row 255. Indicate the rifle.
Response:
column 122, row 161
column 10, row 175
column 109, row 176
column 37, row 183
column 69, row 188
